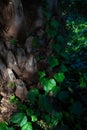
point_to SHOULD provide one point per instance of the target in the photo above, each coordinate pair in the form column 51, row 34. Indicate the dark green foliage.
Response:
column 60, row 101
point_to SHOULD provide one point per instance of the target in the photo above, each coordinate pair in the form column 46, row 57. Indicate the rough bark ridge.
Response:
column 17, row 63
column 11, row 18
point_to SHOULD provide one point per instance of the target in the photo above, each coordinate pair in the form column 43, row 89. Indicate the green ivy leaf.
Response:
column 56, row 117
column 32, row 95
column 19, row 118
column 3, row 126
column 41, row 74
column 47, row 118
column 49, row 85
column 44, row 103
column 82, row 83
column 33, row 118
column 53, row 61
column 59, row 77
column 27, row 126
column 30, row 112
column 10, row 128
column 13, row 41
column 55, row 90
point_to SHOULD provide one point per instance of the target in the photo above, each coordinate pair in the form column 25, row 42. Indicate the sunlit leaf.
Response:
column 33, row 118
column 59, row 77
column 27, row 126
column 49, row 84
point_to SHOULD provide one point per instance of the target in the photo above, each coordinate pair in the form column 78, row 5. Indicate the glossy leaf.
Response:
column 19, row 118
column 27, row 126
column 59, row 77
column 33, row 118
column 49, row 84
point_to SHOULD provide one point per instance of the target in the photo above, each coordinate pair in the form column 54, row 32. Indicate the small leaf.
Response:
column 13, row 41
column 19, row 118
column 32, row 95
column 23, row 121
column 11, row 84
column 53, row 61
column 41, row 74
column 49, row 84
column 56, row 117
column 12, row 98
column 44, row 103
column 82, row 83
column 27, row 126
column 30, row 112
column 47, row 118
column 59, row 77
column 55, row 90
column 33, row 118
column 3, row 126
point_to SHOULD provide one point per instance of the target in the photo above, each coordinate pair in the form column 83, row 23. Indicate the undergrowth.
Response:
column 60, row 101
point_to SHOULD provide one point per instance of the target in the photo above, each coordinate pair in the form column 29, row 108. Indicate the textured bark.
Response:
column 14, row 18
